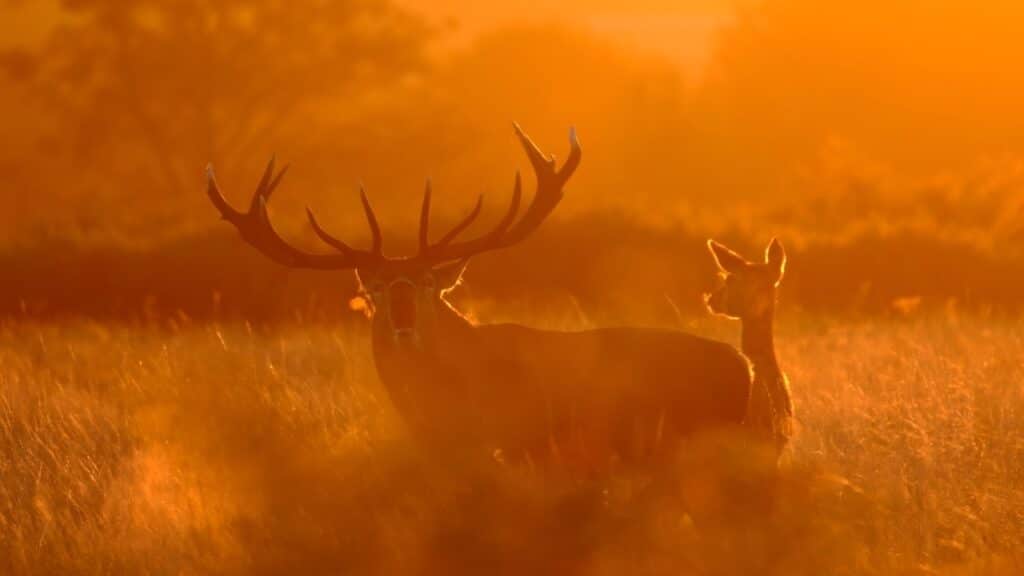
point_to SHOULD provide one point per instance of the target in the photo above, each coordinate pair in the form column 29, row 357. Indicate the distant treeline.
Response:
column 602, row 266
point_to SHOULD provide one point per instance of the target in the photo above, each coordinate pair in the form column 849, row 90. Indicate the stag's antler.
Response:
column 550, row 182
column 256, row 229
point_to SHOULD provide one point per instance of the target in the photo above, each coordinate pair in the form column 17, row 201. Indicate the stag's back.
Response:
column 606, row 386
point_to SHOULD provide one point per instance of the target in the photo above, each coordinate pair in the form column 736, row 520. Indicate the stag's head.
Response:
column 404, row 294
column 746, row 290
column 403, row 297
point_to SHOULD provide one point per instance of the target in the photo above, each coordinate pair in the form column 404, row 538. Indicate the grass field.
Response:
column 203, row 449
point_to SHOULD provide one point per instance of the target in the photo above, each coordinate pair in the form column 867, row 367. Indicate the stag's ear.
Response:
column 450, row 275
column 726, row 259
column 366, row 280
column 775, row 257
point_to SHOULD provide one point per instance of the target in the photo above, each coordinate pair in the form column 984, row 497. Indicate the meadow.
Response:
column 173, row 403
column 181, row 448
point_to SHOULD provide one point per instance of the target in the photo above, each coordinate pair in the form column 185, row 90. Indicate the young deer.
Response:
column 584, row 397
column 748, row 292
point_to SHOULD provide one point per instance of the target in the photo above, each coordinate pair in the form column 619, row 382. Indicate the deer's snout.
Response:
column 715, row 300
column 402, row 307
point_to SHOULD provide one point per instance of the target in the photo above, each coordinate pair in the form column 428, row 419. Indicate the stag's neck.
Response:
column 453, row 327
column 427, row 383
column 758, row 343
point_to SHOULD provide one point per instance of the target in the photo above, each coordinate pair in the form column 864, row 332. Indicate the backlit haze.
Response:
column 173, row 402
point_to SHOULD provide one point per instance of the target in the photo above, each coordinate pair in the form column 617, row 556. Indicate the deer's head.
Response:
column 746, row 290
column 405, row 293
column 403, row 297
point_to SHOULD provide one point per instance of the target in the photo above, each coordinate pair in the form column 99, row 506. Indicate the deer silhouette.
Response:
column 747, row 291
column 589, row 397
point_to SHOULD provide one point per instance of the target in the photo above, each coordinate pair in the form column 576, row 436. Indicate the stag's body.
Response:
column 587, row 397
column 591, row 396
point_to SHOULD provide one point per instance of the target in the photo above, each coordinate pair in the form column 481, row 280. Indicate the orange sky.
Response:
column 26, row 21
column 680, row 30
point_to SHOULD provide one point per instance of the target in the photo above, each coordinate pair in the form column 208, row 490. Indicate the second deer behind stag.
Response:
column 748, row 292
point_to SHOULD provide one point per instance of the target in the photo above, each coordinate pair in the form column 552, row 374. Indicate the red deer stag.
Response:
column 581, row 396
column 748, row 292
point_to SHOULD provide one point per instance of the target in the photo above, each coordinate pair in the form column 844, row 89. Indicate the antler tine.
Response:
column 508, row 218
column 268, row 173
column 443, row 251
column 371, row 219
column 256, row 229
column 550, row 182
column 546, row 164
column 461, row 226
column 425, row 220
column 513, row 208
column 575, row 155
column 325, row 236
column 537, row 158
column 213, row 191
column 273, row 183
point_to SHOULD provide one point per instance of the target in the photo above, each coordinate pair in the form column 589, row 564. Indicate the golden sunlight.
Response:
column 454, row 287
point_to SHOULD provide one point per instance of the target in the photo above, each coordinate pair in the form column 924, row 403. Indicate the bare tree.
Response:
column 145, row 91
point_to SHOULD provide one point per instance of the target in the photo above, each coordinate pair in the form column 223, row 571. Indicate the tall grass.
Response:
column 206, row 449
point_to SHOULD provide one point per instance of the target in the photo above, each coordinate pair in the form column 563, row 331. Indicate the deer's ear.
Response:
column 726, row 259
column 450, row 275
column 367, row 280
column 775, row 257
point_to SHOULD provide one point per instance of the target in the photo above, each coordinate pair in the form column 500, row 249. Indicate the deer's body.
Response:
column 590, row 395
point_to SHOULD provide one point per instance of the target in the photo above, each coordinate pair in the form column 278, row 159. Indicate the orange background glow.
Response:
column 172, row 402
column 849, row 129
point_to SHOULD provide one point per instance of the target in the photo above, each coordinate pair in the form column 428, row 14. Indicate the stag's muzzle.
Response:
column 402, row 309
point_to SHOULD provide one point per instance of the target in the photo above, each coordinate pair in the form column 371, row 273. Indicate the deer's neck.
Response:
column 426, row 383
column 771, row 401
column 452, row 329
column 758, row 343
